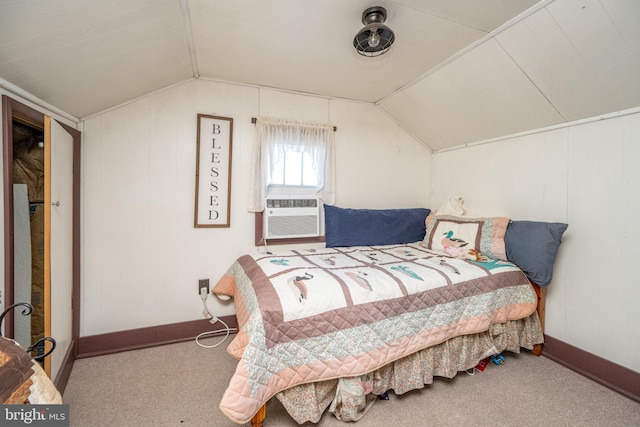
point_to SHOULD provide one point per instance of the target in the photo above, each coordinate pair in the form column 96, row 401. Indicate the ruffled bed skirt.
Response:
column 349, row 398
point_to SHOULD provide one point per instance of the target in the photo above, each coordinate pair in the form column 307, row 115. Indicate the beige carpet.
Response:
column 182, row 384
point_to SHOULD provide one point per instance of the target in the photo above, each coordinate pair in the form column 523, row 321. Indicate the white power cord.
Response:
column 213, row 320
column 203, row 296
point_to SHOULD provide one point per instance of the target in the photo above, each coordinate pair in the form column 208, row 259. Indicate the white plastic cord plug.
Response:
column 203, row 296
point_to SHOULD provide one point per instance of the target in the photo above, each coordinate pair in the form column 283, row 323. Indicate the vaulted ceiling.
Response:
column 460, row 70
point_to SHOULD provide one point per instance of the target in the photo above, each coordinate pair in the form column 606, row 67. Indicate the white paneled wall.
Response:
column 556, row 67
column 525, row 178
column 603, row 206
column 142, row 257
column 585, row 175
column 566, row 61
column 379, row 163
column 480, row 95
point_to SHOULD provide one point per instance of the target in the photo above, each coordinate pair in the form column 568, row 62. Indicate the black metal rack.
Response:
column 28, row 308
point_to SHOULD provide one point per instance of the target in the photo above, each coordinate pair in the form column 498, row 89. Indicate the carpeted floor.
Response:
column 182, row 384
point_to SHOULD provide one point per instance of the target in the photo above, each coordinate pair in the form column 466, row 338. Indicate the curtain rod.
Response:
column 253, row 120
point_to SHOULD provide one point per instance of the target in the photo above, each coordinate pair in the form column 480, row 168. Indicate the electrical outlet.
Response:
column 203, row 283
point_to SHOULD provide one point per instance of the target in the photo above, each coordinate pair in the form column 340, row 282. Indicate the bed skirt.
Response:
column 349, row 398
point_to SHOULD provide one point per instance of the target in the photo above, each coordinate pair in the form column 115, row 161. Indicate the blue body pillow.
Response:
column 533, row 246
column 373, row 227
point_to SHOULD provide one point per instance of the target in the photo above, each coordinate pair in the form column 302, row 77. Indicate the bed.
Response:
column 332, row 328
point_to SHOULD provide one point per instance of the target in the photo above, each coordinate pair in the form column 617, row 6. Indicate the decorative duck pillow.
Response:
column 467, row 238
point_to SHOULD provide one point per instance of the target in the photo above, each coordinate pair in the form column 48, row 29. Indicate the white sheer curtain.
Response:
column 272, row 137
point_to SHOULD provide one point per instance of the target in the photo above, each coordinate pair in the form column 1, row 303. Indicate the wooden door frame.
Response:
column 10, row 109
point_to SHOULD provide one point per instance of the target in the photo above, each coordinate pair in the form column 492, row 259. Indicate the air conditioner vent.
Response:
column 291, row 217
column 292, row 203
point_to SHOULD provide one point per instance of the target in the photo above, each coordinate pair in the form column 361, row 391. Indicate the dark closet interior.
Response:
column 28, row 171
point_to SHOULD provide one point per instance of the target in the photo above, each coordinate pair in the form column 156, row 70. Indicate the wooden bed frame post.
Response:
column 259, row 417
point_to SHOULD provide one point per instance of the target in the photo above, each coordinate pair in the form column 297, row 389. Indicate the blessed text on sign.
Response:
column 213, row 171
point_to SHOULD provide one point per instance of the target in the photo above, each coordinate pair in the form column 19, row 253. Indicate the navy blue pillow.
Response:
column 371, row 227
column 533, row 246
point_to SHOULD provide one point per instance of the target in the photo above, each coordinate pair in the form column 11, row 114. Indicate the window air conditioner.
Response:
column 287, row 217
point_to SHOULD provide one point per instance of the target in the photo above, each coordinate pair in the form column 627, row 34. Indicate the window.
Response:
column 292, row 158
column 292, row 167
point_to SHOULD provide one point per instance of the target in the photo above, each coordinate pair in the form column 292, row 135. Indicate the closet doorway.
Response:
column 28, row 230
column 41, row 173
